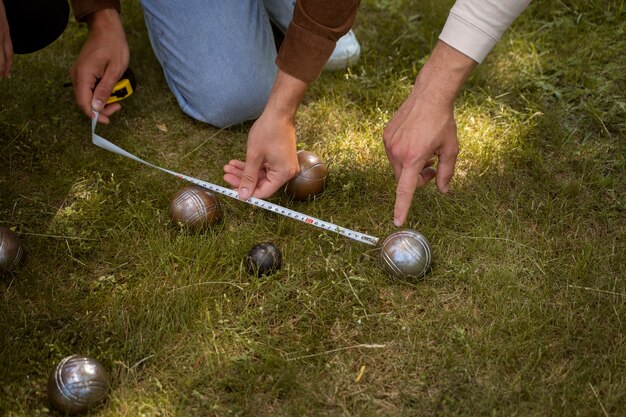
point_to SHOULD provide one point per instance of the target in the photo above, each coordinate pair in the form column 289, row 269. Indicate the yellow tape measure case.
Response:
column 124, row 87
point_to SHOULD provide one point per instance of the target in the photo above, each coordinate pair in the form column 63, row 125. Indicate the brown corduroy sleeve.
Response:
column 312, row 35
column 83, row 8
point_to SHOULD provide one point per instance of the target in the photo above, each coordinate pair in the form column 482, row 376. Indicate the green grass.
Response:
column 523, row 313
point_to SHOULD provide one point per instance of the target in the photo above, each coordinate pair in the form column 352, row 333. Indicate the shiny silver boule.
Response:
column 77, row 383
column 195, row 207
column 405, row 254
column 11, row 250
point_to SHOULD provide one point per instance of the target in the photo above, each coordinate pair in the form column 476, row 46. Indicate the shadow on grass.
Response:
column 523, row 310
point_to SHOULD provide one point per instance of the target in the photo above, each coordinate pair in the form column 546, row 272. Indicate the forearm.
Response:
column 107, row 20
column 475, row 26
column 443, row 75
column 6, row 47
column 85, row 8
column 287, row 93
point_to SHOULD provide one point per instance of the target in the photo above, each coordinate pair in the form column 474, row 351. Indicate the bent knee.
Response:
column 228, row 113
column 226, row 108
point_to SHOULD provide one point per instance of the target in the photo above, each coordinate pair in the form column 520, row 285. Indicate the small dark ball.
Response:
column 11, row 250
column 195, row 207
column 311, row 180
column 263, row 259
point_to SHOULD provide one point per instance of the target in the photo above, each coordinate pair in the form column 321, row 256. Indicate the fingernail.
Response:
column 397, row 222
column 97, row 105
column 243, row 193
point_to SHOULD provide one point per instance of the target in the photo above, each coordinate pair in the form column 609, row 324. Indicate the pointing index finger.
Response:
column 405, row 189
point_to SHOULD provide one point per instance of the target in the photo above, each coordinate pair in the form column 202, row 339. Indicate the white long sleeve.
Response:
column 475, row 26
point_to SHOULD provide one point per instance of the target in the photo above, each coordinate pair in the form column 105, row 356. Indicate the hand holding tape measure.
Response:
column 126, row 86
column 122, row 89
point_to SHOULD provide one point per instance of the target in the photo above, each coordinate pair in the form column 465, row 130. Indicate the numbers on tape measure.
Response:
column 105, row 144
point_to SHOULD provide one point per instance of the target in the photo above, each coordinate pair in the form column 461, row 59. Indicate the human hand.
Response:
column 104, row 57
column 424, row 128
column 420, row 130
column 271, row 158
column 6, row 47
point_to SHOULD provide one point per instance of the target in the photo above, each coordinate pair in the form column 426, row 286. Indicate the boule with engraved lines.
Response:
column 310, row 180
column 406, row 254
column 77, row 384
column 11, row 250
column 195, row 207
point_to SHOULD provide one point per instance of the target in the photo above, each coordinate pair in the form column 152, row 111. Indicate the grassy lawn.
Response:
column 523, row 313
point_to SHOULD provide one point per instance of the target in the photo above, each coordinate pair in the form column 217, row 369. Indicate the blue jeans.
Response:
column 217, row 55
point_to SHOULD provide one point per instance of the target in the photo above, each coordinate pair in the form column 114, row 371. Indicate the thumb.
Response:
column 249, row 178
column 103, row 89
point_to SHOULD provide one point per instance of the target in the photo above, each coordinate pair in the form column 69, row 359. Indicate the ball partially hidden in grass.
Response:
column 77, row 383
column 11, row 250
column 263, row 259
column 311, row 180
column 406, row 254
column 195, row 207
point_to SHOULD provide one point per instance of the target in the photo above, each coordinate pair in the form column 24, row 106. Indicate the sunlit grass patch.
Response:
column 492, row 134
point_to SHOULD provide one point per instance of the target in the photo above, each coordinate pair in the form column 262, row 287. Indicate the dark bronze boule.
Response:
column 195, row 207
column 11, row 250
column 311, row 180
column 263, row 259
column 405, row 254
column 77, row 384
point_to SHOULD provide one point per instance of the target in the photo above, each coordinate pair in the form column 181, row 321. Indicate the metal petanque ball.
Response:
column 11, row 250
column 311, row 180
column 77, row 383
column 405, row 254
column 195, row 207
column 263, row 259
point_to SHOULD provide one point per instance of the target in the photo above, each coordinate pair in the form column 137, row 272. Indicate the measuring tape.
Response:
column 360, row 237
